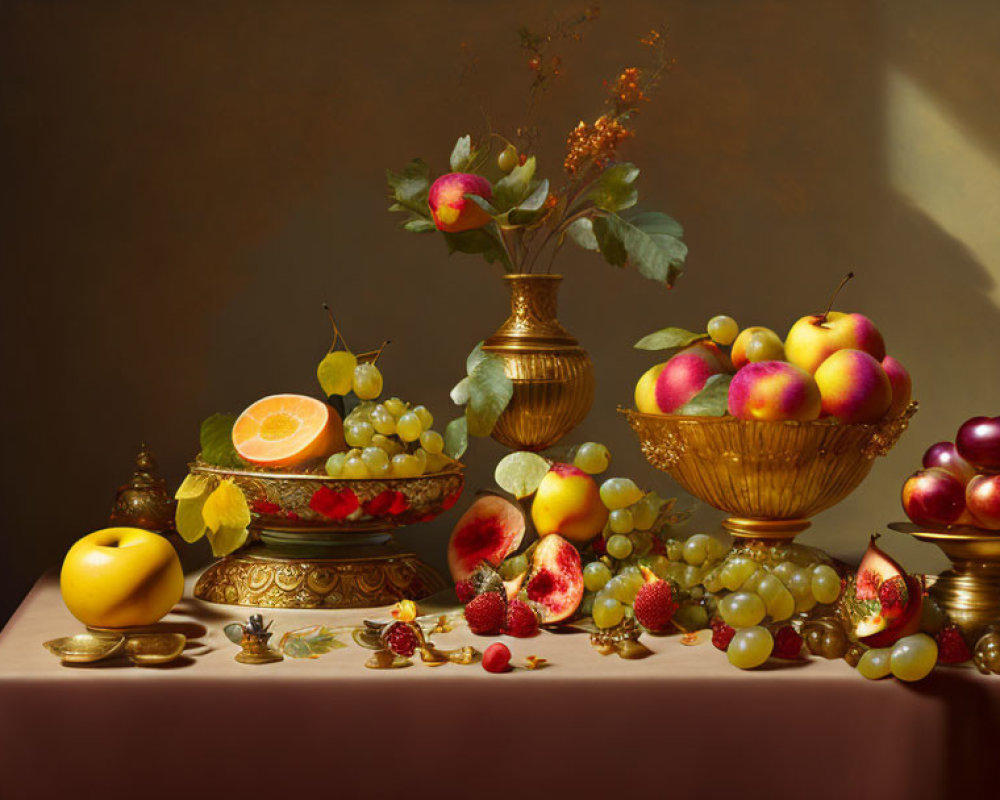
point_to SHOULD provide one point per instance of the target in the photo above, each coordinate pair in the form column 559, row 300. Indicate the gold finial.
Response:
column 144, row 502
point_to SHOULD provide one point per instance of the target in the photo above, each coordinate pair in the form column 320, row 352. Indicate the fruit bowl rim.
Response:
column 457, row 469
column 946, row 533
column 728, row 419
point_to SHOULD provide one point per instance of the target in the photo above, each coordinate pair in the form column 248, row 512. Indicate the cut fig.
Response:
column 489, row 531
column 555, row 582
column 885, row 602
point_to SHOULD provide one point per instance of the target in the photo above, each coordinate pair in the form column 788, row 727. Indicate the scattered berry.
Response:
column 465, row 591
column 654, row 605
column 787, row 643
column 486, row 614
column 497, row 657
column 722, row 634
column 522, row 621
column 401, row 639
column 952, row 648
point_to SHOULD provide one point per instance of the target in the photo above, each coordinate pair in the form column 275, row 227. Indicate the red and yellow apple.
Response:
column 568, row 502
column 452, row 211
column 934, row 497
column 901, row 384
column 982, row 498
column 684, row 375
column 772, row 391
column 757, row 344
column 121, row 578
column 645, row 390
column 854, row 387
column 813, row 339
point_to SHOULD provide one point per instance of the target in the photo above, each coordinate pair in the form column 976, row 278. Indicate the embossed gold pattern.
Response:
column 553, row 375
column 770, row 476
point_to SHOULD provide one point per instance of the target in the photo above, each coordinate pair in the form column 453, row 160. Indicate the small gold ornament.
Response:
column 145, row 502
column 253, row 638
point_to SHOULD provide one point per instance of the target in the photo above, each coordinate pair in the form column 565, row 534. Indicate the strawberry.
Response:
column 486, row 614
column 654, row 605
column 952, row 648
column 521, row 621
column 722, row 634
column 465, row 591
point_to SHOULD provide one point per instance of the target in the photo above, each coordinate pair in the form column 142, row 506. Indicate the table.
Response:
column 680, row 723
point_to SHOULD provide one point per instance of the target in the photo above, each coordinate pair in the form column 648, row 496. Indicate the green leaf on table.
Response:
column 482, row 202
column 419, row 226
column 216, row 437
column 649, row 242
column 480, row 241
column 309, row 642
column 711, row 401
column 581, row 231
column 461, row 154
column 532, row 208
column 408, row 189
column 514, row 187
column 615, row 190
column 490, row 390
column 669, row 339
column 456, row 437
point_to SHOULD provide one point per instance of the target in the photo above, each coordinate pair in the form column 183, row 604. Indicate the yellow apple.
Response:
column 121, row 578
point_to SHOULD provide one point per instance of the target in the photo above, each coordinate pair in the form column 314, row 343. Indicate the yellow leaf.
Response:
column 227, row 539
column 336, row 372
column 189, row 520
column 193, row 486
column 226, row 507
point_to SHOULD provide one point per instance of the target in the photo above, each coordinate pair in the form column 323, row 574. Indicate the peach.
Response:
column 645, row 390
column 684, row 375
column 453, row 212
column 854, row 387
column 901, row 383
column 772, row 391
column 757, row 344
column 568, row 502
column 813, row 339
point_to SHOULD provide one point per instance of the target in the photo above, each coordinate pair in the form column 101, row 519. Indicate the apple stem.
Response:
column 833, row 299
column 336, row 331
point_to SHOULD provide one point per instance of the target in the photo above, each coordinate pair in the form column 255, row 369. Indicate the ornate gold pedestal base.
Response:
column 254, row 578
column 765, row 530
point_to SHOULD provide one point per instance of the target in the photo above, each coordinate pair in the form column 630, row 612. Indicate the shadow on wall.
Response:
column 184, row 187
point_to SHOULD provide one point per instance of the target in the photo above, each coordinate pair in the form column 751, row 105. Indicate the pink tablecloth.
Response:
column 682, row 723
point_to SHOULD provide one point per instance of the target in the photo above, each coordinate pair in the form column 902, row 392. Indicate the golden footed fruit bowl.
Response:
column 321, row 542
column 969, row 593
column 769, row 476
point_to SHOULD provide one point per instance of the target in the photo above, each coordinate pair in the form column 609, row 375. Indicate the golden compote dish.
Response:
column 304, row 552
column 771, row 477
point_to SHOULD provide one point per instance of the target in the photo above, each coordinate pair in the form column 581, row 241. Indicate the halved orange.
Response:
column 283, row 430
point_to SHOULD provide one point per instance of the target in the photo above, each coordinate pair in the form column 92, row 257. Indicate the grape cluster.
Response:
column 387, row 440
column 910, row 659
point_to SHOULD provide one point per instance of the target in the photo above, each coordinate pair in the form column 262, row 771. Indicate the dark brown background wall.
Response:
column 184, row 183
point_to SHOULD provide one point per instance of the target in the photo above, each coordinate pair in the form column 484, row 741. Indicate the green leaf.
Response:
column 419, row 226
column 648, row 241
column 582, row 232
column 481, row 241
column 615, row 189
column 514, row 187
column 472, row 361
column 216, row 438
column 456, row 437
column 309, row 642
column 460, row 392
column 669, row 339
column 409, row 188
column 483, row 203
column 711, row 401
column 461, row 154
column 490, row 390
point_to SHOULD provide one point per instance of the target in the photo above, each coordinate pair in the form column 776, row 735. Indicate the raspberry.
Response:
column 722, row 634
column 599, row 546
column 497, row 657
column 787, row 643
column 892, row 596
column 521, row 620
column 401, row 639
column 952, row 648
column 486, row 614
column 465, row 591
column 654, row 605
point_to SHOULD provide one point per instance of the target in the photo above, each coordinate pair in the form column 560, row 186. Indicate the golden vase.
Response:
column 552, row 374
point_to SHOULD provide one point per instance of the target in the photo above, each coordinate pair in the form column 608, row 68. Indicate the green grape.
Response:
column 395, row 406
column 619, row 493
column 409, row 427
column 377, row 461
column 768, row 587
column 716, row 548
column 626, row 586
column 742, row 609
column 421, row 455
column 355, row 468
column 518, row 565
column 592, row 458
column 586, row 607
column 825, row 584
column 875, row 663
column 358, row 434
column 607, row 612
column 642, row 542
column 782, row 606
column 645, row 512
column 620, row 521
column 391, row 446
column 691, row 617
column 432, row 441
column 675, row 550
column 784, row 571
column 913, row 657
column 658, row 564
column 354, row 452
column 676, row 570
column 799, row 583
column 335, row 464
column 405, row 466
column 595, row 575
column 804, row 604
column 619, row 546
column 750, row 584
column 425, row 417
column 383, row 421
column 750, row 647
column 696, row 549
column 712, row 580
column 723, row 329
column 362, row 412
column 736, row 570
column 367, row 381
column 691, row 577
column 507, row 159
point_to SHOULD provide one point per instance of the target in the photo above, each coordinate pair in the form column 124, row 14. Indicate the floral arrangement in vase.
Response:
column 494, row 202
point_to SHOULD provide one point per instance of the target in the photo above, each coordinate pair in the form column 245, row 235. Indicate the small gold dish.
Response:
column 150, row 649
column 85, row 648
